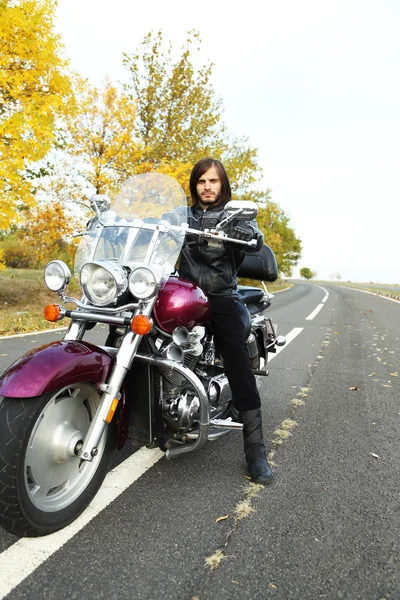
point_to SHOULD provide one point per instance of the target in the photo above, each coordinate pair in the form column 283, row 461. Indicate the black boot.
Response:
column 254, row 449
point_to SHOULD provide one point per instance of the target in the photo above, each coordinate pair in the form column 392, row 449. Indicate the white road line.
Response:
column 314, row 312
column 325, row 298
column 19, row 335
column 26, row 555
column 289, row 338
column 372, row 293
column 323, row 289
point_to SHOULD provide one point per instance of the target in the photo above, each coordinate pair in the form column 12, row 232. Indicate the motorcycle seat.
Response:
column 250, row 295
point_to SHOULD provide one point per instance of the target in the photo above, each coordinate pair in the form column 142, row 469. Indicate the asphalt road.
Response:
column 328, row 526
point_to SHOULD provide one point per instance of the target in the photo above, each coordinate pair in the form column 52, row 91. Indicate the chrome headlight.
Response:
column 143, row 283
column 57, row 275
column 103, row 282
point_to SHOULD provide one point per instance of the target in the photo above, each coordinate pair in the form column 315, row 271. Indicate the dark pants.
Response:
column 229, row 334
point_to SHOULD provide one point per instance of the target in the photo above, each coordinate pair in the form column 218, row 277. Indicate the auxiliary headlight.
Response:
column 143, row 283
column 57, row 275
column 103, row 282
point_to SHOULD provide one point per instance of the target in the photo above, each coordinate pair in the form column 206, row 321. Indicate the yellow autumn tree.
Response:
column 46, row 234
column 167, row 118
column 34, row 91
column 279, row 235
column 179, row 114
column 99, row 146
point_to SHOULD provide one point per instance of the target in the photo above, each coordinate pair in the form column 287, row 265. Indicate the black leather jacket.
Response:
column 211, row 266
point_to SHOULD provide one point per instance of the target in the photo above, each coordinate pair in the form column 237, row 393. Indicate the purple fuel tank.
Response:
column 181, row 304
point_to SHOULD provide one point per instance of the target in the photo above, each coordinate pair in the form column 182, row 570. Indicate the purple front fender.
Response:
column 54, row 366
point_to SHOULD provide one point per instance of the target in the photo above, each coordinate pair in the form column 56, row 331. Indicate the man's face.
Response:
column 208, row 188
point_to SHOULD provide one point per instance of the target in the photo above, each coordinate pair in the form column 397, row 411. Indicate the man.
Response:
column 213, row 267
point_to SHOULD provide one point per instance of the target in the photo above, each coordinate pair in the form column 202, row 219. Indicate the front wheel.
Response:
column 44, row 485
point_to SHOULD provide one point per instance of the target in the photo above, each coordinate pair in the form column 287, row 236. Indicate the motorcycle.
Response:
column 69, row 404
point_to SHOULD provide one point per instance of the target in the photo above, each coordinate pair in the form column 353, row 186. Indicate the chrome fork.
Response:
column 111, row 390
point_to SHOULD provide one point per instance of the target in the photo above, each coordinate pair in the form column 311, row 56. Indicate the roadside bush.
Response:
column 15, row 253
column 18, row 254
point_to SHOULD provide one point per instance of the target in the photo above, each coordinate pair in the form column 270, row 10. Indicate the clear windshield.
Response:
column 135, row 230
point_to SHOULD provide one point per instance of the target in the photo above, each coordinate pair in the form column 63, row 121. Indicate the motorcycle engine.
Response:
column 180, row 404
column 195, row 350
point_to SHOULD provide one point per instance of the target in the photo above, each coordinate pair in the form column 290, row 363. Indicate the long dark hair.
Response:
column 199, row 169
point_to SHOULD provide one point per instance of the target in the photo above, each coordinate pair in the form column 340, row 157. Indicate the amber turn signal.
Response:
column 111, row 412
column 141, row 324
column 52, row 312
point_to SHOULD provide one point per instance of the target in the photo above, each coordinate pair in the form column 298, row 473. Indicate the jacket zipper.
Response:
column 203, row 266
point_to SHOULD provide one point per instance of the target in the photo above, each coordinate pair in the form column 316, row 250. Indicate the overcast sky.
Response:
column 314, row 85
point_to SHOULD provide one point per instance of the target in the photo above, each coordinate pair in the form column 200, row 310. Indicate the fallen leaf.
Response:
column 221, row 518
column 395, row 374
column 374, row 455
column 385, row 385
column 354, row 387
column 372, row 374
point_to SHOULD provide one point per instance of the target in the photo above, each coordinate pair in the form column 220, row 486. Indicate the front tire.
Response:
column 44, row 485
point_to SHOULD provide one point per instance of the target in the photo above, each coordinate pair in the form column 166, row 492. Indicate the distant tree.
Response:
column 306, row 273
column 335, row 275
column 34, row 91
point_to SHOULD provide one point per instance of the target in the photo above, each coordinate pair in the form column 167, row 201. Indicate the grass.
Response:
column 389, row 290
column 214, row 561
column 276, row 286
column 23, row 295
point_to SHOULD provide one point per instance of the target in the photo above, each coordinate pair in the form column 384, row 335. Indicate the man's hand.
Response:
column 242, row 231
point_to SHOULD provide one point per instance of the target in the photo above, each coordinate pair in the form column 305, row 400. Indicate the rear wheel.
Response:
column 44, row 485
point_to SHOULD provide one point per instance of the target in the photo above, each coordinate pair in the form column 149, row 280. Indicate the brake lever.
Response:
column 223, row 237
column 216, row 235
column 228, row 219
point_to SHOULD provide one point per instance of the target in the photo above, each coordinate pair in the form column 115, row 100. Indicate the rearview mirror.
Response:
column 100, row 203
column 245, row 210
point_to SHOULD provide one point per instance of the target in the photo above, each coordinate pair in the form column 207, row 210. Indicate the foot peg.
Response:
column 226, row 423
